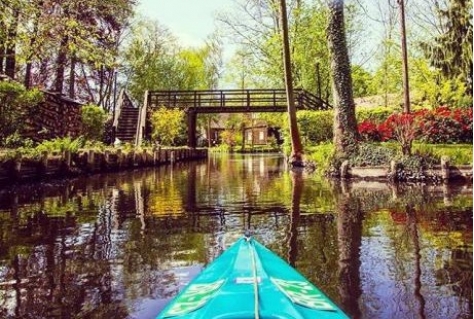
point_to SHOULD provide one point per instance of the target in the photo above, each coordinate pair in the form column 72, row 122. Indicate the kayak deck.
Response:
column 250, row 281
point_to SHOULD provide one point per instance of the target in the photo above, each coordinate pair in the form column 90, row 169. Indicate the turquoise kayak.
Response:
column 250, row 281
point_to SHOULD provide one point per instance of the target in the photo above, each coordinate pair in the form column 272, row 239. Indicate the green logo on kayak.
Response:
column 304, row 294
column 193, row 298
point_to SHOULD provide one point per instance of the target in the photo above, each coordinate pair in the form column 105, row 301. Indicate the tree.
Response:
column 69, row 46
column 451, row 51
column 296, row 157
column 153, row 60
column 168, row 126
column 406, row 86
column 345, row 123
column 10, row 50
column 361, row 81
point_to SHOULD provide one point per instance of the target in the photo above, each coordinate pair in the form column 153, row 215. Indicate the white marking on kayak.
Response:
column 304, row 294
column 246, row 280
column 193, row 298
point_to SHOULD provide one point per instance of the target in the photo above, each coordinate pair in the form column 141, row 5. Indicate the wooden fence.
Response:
column 90, row 162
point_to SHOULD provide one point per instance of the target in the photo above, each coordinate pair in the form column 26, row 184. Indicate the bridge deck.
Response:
column 234, row 101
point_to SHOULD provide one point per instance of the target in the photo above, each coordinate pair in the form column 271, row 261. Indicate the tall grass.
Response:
column 459, row 154
column 321, row 155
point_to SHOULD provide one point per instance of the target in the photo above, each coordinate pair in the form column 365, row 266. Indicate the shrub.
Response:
column 93, row 122
column 322, row 155
column 376, row 115
column 61, row 144
column 368, row 131
column 372, row 155
column 315, row 126
column 17, row 104
column 403, row 127
column 441, row 125
column 445, row 125
column 439, row 129
column 15, row 140
column 231, row 138
column 168, row 126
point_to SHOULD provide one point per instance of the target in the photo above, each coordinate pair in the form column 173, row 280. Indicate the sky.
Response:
column 191, row 21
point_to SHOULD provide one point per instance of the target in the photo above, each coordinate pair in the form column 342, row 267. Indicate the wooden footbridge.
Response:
column 214, row 101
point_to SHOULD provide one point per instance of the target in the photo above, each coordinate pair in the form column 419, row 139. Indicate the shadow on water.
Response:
column 122, row 245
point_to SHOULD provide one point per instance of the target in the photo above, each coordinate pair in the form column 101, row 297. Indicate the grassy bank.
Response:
column 381, row 153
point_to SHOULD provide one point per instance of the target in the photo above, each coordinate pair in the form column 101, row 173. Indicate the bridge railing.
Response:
column 213, row 100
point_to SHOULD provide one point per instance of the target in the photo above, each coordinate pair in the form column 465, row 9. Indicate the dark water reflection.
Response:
column 122, row 245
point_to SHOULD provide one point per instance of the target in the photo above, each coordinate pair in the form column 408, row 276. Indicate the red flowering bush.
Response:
column 444, row 125
column 403, row 130
column 368, row 131
column 441, row 125
column 439, row 129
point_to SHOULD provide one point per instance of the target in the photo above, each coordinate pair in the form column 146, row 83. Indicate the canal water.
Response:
column 122, row 245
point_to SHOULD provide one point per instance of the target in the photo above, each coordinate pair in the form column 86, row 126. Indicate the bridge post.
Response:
column 191, row 117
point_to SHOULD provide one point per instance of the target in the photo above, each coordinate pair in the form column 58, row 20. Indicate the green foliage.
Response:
column 154, row 61
column 376, row 115
column 57, row 145
column 387, row 77
column 17, row 104
column 224, row 148
column 369, row 154
column 417, row 162
column 315, row 126
column 310, row 53
column 95, row 145
column 429, row 88
column 168, row 126
column 86, row 31
column 451, row 51
column 258, row 61
column 61, row 144
column 361, row 82
column 460, row 154
column 322, row 155
column 453, row 92
column 231, row 137
column 381, row 154
column 93, row 121
column 16, row 140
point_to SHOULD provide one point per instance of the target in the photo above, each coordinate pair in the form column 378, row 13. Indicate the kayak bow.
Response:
column 250, row 281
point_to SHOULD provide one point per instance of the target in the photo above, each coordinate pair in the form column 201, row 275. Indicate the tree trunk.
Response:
column 345, row 123
column 27, row 81
column 3, row 37
column 43, row 72
column 72, row 78
column 61, row 65
column 296, row 194
column 296, row 158
column 10, row 52
column 209, row 143
column 101, row 85
column 406, row 85
column 349, row 241
column 32, row 50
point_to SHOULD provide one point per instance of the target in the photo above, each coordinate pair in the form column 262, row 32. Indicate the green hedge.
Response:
column 376, row 114
column 317, row 126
